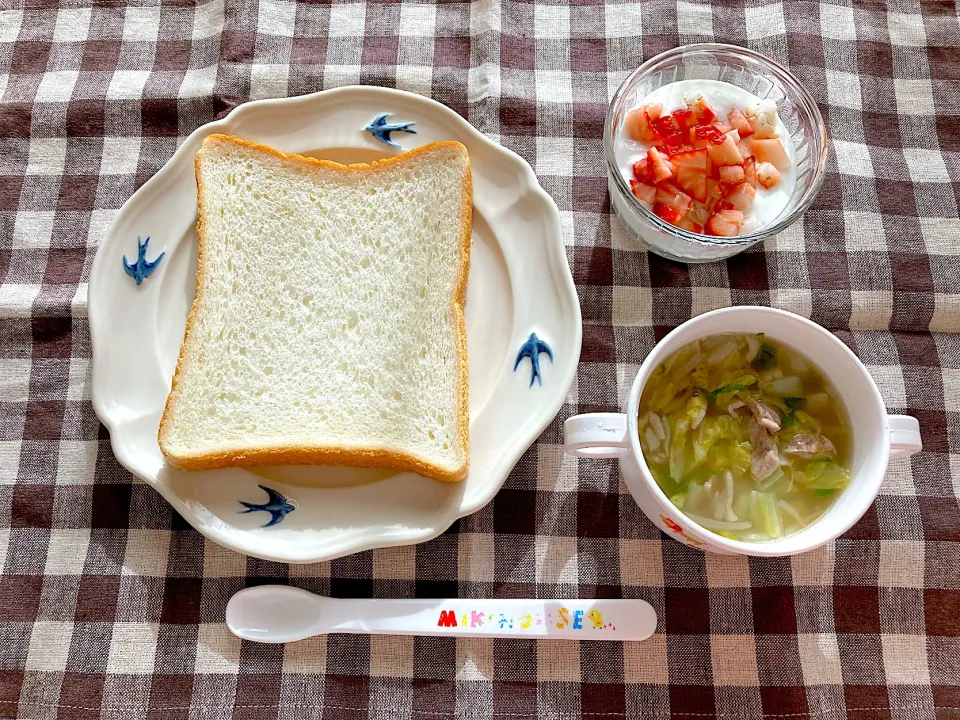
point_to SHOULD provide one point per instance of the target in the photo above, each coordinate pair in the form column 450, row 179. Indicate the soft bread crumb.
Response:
column 327, row 326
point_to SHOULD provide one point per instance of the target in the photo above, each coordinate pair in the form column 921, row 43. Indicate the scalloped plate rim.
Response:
column 548, row 409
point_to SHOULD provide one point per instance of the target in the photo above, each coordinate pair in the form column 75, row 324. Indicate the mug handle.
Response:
column 904, row 436
column 596, row 435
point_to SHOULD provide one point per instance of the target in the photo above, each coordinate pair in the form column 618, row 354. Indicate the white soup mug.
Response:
column 876, row 436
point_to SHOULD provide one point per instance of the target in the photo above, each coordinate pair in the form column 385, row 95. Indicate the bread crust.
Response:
column 332, row 455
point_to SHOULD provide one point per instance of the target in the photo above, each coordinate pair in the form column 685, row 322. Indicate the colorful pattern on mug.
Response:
column 679, row 531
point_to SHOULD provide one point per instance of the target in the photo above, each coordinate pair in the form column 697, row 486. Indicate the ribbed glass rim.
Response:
column 786, row 78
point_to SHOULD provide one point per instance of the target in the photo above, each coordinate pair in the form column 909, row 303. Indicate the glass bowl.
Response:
column 748, row 70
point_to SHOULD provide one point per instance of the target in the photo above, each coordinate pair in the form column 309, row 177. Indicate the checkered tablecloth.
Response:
column 112, row 607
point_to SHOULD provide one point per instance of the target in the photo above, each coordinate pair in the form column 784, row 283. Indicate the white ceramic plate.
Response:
column 519, row 284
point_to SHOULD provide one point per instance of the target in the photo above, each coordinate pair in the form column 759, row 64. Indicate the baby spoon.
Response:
column 280, row 613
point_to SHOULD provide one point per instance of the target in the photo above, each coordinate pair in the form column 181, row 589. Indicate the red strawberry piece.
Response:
column 770, row 150
column 741, row 196
column 704, row 112
column 714, row 193
column 731, row 174
column 643, row 170
column 693, row 182
column 750, row 171
column 691, row 158
column 723, row 205
column 698, row 213
column 726, row 223
column 685, row 118
column 673, row 197
column 763, row 120
column 673, row 143
column 713, row 171
column 661, row 167
column 767, row 175
column 708, row 133
column 666, row 125
column 642, row 191
column 638, row 126
column 739, row 121
column 726, row 153
column 667, row 213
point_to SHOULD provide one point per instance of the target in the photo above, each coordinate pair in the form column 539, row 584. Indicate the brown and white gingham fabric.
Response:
column 112, row 607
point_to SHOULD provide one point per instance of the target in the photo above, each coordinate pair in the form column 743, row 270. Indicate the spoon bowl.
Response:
column 274, row 613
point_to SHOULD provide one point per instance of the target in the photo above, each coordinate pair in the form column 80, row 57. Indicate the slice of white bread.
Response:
column 327, row 326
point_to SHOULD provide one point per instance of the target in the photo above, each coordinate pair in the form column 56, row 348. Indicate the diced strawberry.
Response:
column 666, row 213
column 713, row 171
column 654, row 110
column 725, row 153
column 666, row 125
column 739, row 121
column 661, row 167
column 698, row 213
column 726, row 223
column 688, row 224
column 644, row 192
column 672, row 143
column 767, row 175
column 709, row 134
column 741, row 196
column 731, row 174
column 673, row 197
column 679, row 150
column 714, row 193
column 750, row 171
column 723, row 205
column 705, row 114
column 771, row 151
column 684, row 118
column 643, row 170
column 763, row 120
column 638, row 126
column 722, row 127
column 693, row 181
column 691, row 158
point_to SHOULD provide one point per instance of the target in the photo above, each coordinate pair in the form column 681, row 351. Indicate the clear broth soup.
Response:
column 745, row 435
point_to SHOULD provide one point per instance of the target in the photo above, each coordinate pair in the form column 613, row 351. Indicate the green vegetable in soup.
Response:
column 826, row 475
column 766, row 514
column 745, row 436
column 742, row 383
column 765, row 358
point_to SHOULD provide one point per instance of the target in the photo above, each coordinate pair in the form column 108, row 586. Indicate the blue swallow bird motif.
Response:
column 142, row 268
column 532, row 349
column 276, row 505
column 381, row 130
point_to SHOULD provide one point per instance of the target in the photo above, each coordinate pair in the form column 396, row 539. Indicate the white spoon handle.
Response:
column 567, row 619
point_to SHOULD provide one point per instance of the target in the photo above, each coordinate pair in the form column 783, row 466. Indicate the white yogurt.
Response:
column 722, row 98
